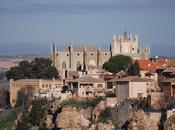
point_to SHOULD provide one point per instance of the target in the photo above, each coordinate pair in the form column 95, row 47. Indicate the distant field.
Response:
column 7, row 64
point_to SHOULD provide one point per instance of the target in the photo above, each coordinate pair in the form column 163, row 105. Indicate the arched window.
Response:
column 64, row 65
column 78, row 66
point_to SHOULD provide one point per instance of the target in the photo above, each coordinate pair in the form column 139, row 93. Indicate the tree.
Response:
column 1, row 97
column 7, row 97
column 14, row 73
column 24, row 124
column 134, row 69
column 38, row 112
column 117, row 63
column 25, row 96
column 36, row 69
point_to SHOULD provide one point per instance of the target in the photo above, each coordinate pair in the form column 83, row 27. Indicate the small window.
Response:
column 57, row 54
column 99, row 85
column 106, row 54
column 78, row 54
column 67, row 54
column 64, row 65
column 91, row 54
column 133, row 49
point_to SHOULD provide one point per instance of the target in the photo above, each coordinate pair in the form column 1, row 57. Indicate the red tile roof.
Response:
column 149, row 65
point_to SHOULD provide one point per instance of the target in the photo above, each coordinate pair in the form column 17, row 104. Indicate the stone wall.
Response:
column 111, row 102
column 157, row 100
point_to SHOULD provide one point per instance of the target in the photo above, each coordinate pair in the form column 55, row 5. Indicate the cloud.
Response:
column 77, row 6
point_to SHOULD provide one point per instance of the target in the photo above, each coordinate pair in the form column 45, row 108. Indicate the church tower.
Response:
column 116, row 45
column 127, row 44
column 53, row 54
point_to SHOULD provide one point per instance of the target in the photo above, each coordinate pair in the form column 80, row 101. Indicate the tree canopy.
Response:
column 134, row 69
column 36, row 69
column 117, row 63
column 34, row 117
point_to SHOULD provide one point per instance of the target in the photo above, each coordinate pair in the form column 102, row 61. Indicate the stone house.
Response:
column 88, row 86
column 169, row 88
column 36, row 88
column 133, row 87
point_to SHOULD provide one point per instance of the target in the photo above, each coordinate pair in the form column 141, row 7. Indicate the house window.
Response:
column 67, row 54
column 140, row 95
column 133, row 49
column 64, row 65
column 91, row 54
column 78, row 54
column 78, row 66
column 99, row 85
column 106, row 54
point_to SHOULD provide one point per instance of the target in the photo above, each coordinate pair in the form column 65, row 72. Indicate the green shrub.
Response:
column 105, row 115
column 82, row 104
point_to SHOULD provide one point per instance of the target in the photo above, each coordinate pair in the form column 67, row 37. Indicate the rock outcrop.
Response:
column 48, row 121
column 55, row 105
column 72, row 118
column 106, row 126
column 139, row 120
column 170, row 123
column 102, row 126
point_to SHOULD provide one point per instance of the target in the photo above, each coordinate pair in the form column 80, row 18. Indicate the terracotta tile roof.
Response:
column 171, row 63
column 149, row 65
column 139, row 79
column 87, row 79
column 135, row 79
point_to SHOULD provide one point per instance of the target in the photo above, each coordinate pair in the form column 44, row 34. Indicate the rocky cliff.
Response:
column 139, row 120
column 72, row 118
column 170, row 123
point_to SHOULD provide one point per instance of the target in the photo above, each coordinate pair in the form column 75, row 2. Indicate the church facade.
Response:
column 78, row 58
column 129, row 45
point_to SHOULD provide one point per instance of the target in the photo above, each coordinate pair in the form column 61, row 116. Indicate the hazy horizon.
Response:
column 30, row 26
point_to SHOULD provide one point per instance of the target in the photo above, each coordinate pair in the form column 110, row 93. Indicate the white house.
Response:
column 133, row 87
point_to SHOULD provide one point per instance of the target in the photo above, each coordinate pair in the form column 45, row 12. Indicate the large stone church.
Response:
column 81, row 57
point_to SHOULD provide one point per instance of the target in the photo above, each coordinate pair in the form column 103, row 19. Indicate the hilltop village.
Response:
column 92, row 88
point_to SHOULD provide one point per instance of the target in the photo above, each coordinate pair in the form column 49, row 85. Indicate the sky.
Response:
column 30, row 26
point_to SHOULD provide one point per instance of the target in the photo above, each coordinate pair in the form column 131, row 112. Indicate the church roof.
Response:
column 82, row 48
column 125, row 37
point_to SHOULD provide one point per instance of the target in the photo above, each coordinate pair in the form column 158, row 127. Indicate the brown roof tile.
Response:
column 135, row 79
column 87, row 79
